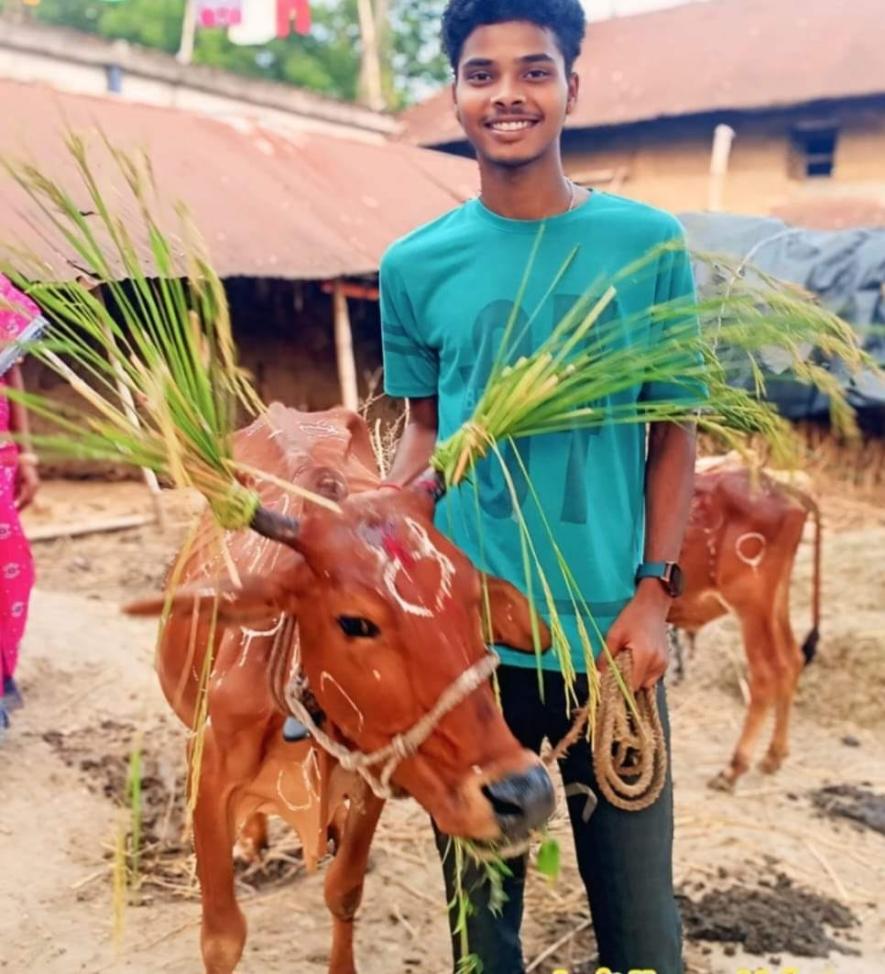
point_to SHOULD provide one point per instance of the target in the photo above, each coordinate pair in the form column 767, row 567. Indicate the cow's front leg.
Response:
column 347, row 873
column 224, row 926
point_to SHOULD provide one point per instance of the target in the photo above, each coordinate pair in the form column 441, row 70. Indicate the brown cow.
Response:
column 738, row 555
column 378, row 616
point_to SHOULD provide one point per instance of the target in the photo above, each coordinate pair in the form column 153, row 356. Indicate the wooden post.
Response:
column 188, row 33
column 150, row 478
column 722, row 142
column 125, row 394
column 381, row 9
column 344, row 348
column 371, row 88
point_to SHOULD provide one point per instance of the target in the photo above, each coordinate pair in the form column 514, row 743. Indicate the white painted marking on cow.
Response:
column 754, row 561
column 429, row 550
column 425, row 549
column 247, row 635
column 310, row 764
column 391, row 571
column 295, row 665
column 320, row 428
column 324, row 677
column 260, row 547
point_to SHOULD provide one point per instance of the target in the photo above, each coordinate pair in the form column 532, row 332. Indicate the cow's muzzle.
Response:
column 521, row 802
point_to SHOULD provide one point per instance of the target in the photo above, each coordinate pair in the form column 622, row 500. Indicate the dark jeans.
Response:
column 625, row 858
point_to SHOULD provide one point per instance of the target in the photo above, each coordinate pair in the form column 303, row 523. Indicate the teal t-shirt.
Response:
column 447, row 292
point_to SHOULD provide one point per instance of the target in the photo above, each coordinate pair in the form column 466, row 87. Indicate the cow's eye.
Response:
column 358, row 628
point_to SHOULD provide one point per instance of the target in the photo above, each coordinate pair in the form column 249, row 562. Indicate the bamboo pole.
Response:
column 371, row 87
column 188, row 33
column 344, row 348
column 125, row 394
column 723, row 137
column 150, row 478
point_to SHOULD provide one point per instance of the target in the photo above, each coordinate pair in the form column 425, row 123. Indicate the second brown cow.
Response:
column 738, row 556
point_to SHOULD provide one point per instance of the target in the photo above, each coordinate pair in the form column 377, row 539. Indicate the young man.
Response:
column 617, row 506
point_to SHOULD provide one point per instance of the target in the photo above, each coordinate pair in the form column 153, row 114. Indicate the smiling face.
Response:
column 513, row 93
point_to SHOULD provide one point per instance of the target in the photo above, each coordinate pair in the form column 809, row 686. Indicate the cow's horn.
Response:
column 431, row 483
column 275, row 526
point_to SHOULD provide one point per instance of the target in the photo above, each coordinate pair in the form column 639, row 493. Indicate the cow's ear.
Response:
column 255, row 600
column 511, row 617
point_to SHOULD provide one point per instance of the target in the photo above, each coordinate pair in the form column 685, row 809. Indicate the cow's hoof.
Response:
column 770, row 764
column 721, row 783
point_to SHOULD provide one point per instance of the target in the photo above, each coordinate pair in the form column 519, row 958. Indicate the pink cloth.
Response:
column 219, row 13
column 16, row 563
column 17, row 311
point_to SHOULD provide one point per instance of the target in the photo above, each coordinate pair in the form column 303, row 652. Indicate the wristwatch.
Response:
column 669, row 573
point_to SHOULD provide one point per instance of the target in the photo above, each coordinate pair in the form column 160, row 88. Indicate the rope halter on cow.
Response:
column 404, row 745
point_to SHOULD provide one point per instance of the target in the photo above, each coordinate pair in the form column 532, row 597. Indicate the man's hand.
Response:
column 27, row 483
column 642, row 628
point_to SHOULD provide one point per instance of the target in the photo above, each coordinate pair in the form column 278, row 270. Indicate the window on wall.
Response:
column 814, row 151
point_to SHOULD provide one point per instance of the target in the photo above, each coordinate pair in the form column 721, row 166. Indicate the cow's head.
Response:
column 390, row 615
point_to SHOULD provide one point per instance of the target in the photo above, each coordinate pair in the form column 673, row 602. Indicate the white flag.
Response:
column 258, row 23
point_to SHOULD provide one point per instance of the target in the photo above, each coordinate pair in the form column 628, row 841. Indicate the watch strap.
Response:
column 653, row 569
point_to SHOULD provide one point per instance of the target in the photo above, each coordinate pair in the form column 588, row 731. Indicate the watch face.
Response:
column 677, row 581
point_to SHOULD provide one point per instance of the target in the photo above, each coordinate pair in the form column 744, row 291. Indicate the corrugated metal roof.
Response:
column 705, row 57
column 52, row 45
column 303, row 206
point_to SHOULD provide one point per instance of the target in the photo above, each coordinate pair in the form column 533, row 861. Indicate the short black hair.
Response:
column 565, row 18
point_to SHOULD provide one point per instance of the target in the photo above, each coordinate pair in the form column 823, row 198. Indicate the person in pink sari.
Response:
column 18, row 485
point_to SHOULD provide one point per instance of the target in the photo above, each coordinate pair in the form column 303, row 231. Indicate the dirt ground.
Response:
column 777, row 867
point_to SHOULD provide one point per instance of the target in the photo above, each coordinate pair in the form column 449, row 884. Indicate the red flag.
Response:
column 287, row 10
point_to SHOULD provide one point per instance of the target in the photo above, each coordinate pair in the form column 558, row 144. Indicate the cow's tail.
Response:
column 809, row 647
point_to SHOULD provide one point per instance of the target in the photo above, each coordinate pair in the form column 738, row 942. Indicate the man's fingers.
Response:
column 654, row 665
column 614, row 645
column 650, row 680
column 639, row 671
column 643, row 668
column 654, row 675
